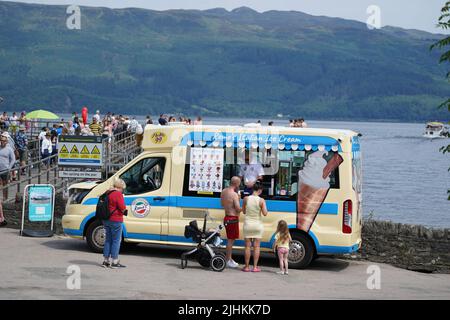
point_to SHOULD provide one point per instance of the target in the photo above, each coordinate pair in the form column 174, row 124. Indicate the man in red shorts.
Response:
column 231, row 203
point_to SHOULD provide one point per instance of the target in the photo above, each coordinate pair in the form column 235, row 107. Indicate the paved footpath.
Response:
column 36, row 268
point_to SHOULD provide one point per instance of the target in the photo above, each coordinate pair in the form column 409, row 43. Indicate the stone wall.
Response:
column 411, row 247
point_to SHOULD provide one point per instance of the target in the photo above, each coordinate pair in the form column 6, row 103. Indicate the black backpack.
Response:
column 102, row 210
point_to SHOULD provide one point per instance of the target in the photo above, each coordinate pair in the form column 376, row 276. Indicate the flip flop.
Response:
column 246, row 269
column 256, row 269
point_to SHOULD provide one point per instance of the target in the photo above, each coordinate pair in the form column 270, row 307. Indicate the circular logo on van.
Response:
column 140, row 208
column 158, row 137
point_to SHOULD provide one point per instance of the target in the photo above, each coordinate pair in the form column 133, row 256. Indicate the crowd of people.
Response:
column 298, row 123
column 12, row 123
column 164, row 120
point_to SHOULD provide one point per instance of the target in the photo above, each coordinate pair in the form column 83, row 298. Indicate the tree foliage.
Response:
column 444, row 23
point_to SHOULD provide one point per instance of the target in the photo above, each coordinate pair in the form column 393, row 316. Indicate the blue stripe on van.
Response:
column 214, row 203
column 321, row 249
column 73, row 232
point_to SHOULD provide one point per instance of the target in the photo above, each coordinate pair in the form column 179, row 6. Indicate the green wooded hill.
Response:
column 216, row 63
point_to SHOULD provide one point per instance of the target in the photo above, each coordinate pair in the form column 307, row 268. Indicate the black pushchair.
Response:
column 206, row 242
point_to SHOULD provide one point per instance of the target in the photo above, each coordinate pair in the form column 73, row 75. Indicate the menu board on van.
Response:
column 206, row 170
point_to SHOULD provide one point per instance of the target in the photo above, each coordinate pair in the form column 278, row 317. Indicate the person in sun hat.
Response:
column 12, row 145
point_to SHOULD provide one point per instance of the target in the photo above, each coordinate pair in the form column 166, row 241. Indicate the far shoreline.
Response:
column 264, row 118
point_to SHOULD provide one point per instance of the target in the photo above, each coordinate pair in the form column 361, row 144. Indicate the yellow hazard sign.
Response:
column 63, row 152
column 74, row 153
column 95, row 153
column 84, row 154
column 95, row 150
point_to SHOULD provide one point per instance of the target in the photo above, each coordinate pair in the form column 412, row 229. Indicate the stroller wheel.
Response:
column 218, row 262
column 184, row 263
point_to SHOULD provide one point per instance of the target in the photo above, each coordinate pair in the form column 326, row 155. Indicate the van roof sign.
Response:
column 282, row 138
column 255, row 140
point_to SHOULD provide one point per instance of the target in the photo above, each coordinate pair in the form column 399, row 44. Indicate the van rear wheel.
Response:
column 301, row 251
column 95, row 236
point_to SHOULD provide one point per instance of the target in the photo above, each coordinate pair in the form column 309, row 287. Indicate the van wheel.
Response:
column 95, row 236
column 301, row 251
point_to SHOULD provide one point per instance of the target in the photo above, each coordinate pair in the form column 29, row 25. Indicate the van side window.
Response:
column 281, row 167
column 144, row 176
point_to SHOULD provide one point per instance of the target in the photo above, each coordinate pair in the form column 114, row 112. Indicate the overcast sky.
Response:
column 410, row 14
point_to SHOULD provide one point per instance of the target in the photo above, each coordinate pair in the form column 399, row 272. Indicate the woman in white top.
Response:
column 46, row 147
column 254, row 207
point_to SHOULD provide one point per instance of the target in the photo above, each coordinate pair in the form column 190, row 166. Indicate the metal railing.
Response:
column 36, row 172
column 121, row 150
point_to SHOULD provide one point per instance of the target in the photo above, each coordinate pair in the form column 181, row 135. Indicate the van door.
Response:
column 147, row 197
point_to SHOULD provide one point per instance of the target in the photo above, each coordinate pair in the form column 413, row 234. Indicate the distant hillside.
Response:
column 216, row 62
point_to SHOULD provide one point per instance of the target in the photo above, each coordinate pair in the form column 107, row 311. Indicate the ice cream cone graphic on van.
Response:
column 314, row 183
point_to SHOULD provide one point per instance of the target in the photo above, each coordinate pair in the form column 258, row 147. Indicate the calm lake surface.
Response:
column 405, row 177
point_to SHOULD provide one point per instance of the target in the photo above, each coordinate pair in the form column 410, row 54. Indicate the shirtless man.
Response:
column 231, row 202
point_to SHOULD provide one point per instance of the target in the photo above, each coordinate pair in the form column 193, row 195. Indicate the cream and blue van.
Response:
column 182, row 169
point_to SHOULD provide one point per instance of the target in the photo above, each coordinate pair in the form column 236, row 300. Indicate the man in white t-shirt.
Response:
column 250, row 173
column 97, row 116
column 42, row 134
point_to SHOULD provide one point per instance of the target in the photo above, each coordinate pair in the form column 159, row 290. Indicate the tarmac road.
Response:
column 36, row 268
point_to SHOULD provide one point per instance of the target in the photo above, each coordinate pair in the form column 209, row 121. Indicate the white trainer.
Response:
column 232, row 264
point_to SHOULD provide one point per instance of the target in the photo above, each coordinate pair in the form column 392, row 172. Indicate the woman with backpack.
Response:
column 113, row 226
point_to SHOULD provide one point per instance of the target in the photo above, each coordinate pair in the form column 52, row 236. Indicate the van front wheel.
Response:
column 95, row 236
column 301, row 251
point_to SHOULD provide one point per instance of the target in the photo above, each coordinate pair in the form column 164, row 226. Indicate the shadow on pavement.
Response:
column 67, row 244
column 85, row 262
column 173, row 252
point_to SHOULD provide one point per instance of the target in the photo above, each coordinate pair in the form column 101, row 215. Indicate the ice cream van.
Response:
column 311, row 177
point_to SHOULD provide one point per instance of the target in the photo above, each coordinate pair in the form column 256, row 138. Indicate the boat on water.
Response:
column 435, row 130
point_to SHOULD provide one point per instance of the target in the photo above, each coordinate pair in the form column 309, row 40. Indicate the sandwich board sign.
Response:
column 38, row 210
column 80, row 157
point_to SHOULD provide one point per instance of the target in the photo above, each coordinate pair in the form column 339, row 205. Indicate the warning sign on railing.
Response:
column 78, row 153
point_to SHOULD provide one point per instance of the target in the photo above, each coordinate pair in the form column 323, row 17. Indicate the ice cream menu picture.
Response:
column 206, row 170
column 314, row 183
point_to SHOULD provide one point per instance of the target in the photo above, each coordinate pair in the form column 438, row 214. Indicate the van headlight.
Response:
column 76, row 196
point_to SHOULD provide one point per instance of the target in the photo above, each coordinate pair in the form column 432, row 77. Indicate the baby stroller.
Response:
column 206, row 242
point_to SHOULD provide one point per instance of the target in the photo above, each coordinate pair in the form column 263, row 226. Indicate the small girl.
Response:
column 281, row 245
